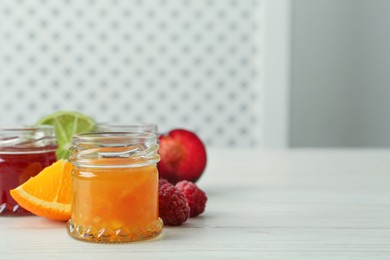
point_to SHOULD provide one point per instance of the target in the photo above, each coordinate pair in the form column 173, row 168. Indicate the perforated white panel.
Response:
column 176, row 63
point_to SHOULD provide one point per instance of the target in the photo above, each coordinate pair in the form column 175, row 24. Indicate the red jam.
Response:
column 24, row 152
column 15, row 169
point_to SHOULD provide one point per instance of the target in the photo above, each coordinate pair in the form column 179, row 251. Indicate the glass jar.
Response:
column 149, row 128
column 115, row 187
column 24, row 152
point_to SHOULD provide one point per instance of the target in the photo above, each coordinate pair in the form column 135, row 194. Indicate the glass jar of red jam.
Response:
column 24, row 152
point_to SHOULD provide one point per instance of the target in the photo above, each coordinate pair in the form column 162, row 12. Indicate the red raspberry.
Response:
column 173, row 206
column 162, row 181
column 196, row 197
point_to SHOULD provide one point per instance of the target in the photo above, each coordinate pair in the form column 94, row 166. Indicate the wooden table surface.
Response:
column 300, row 204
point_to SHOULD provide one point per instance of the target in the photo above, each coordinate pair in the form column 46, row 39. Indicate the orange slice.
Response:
column 48, row 194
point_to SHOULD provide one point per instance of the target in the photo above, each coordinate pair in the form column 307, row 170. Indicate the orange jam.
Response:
column 115, row 188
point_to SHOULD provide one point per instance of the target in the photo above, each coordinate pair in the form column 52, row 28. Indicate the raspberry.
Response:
column 196, row 197
column 162, row 181
column 173, row 206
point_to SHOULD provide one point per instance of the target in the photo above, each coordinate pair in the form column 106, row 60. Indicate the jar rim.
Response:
column 136, row 127
column 27, row 139
column 26, row 128
column 115, row 137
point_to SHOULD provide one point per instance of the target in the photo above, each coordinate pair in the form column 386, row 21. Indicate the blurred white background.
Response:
column 327, row 70
column 340, row 80
column 241, row 73
column 177, row 63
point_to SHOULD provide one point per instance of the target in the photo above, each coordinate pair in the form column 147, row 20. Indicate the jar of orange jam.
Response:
column 115, row 187
column 24, row 152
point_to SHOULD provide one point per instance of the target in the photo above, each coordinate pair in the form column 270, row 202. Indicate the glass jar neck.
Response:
column 30, row 139
column 114, row 150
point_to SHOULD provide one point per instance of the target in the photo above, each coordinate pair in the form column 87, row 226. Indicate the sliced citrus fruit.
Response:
column 66, row 124
column 48, row 194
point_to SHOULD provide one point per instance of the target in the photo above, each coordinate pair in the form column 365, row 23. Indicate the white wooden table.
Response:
column 262, row 205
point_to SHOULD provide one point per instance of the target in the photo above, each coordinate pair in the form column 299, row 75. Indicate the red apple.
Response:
column 183, row 156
